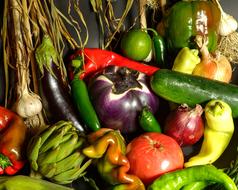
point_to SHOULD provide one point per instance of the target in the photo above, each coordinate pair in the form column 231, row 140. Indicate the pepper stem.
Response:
column 4, row 161
column 77, row 64
column 217, row 109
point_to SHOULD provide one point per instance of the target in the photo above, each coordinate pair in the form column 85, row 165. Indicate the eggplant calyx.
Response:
column 123, row 79
column 46, row 55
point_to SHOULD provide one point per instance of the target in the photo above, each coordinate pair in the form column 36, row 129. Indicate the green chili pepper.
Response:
column 148, row 121
column 199, row 185
column 85, row 108
column 179, row 178
column 159, row 50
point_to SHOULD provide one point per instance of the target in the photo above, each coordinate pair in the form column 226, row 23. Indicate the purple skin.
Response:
column 120, row 111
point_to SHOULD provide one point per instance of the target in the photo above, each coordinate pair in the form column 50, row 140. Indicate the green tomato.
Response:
column 136, row 44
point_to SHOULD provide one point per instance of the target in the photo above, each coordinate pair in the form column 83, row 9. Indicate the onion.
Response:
column 118, row 96
column 216, row 68
column 185, row 124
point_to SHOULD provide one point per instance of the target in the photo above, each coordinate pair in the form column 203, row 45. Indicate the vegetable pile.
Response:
column 153, row 106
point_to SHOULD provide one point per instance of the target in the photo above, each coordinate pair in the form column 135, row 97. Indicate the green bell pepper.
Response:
column 186, row 19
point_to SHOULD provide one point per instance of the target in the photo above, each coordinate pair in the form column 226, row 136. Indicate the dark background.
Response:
column 229, row 6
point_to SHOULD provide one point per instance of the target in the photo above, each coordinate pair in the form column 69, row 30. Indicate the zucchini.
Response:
column 182, row 88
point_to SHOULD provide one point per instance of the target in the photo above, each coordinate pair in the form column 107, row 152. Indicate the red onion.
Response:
column 185, row 124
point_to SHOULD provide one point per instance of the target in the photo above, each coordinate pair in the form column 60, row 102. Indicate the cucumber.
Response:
column 182, row 88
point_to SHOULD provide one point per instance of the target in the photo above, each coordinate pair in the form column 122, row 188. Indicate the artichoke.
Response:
column 55, row 153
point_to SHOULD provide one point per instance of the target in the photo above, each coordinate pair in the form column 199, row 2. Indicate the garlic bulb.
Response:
column 227, row 24
column 28, row 105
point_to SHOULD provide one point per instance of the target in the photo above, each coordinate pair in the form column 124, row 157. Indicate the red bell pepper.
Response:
column 95, row 59
column 12, row 138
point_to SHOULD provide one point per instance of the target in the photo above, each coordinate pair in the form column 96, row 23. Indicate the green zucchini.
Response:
column 181, row 88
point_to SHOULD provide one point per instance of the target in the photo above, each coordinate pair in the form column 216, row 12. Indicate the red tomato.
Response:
column 153, row 154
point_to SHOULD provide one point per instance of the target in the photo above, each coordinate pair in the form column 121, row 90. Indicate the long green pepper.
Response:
column 200, row 185
column 180, row 178
column 85, row 108
column 159, row 48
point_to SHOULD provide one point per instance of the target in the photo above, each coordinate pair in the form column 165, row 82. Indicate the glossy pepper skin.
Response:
column 108, row 146
column 186, row 19
column 148, row 122
column 180, row 178
column 186, row 60
column 219, row 128
column 13, row 132
column 197, row 185
column 159, row 48
column 82, row 101
column 95, row 59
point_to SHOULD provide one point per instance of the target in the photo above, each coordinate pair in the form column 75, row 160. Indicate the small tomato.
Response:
column 153, row 154
column 136, row 44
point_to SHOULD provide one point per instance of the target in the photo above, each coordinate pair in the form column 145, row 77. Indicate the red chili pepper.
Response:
column 12, row 137
column 97, row 59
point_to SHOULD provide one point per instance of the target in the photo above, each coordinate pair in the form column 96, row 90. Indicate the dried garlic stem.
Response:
column 228, row 46
column 28, row 103
column 5, row 49
column 143, row 21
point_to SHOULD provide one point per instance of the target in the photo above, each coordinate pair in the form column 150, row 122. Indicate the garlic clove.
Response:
column 228, row 24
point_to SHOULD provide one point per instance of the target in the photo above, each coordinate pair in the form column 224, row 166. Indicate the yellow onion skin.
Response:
column 215, row 68
column 224, row 70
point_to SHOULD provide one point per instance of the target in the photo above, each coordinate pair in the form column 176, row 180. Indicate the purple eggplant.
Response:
column 55, row 91
column 118, row 95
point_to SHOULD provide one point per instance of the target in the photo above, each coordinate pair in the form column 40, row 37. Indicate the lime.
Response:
column 136, row 44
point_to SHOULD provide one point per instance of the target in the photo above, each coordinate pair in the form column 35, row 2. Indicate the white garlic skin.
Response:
column 28, row 105
column 228, row 25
